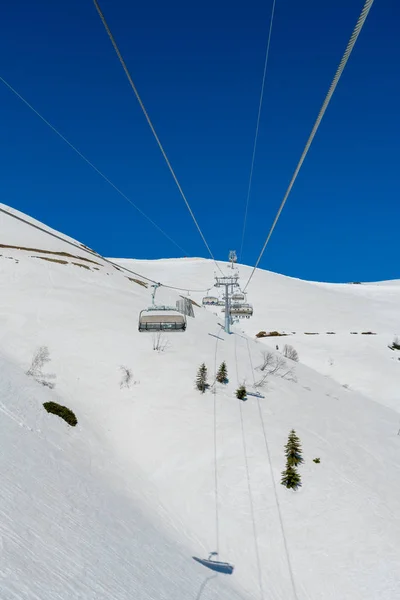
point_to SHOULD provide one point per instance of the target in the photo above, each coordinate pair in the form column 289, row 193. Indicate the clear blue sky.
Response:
column 198, row 67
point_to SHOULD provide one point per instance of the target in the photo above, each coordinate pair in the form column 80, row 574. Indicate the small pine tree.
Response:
column 293, row 450
column 241, row 392
column 201, row 380
column 222, row 375
column 291, row 478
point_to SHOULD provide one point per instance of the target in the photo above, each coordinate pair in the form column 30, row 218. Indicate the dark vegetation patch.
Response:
column 67, row 254
column 61, row 411
column 395, row 344
column 138, row 281
column 262, row 334
column 311, row 333
column 80, row 265
column 55, row 260
column 368, row 333
column 330, row 333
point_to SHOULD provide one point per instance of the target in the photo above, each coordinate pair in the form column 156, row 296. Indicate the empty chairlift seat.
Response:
column 238, row 297
column 161, row 318
column 243, row 311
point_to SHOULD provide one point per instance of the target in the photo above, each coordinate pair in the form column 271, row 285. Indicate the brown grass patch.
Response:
column 52, row 252
column 311, row 333
column 54, row 260
column 138, row 281
column 262, row 334
column 79, row 265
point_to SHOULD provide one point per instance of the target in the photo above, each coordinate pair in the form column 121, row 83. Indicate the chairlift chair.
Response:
column 242, row 310
column 210, row 301
column 238, row 297
column 160, row 317
column 215, row 565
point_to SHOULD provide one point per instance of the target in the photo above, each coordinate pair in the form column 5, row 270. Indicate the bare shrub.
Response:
column 160, row 342
column 290, row 352
column 395, row 344
column 276, row 366
column 268, row 360
column 126, row 378
column 40, row 358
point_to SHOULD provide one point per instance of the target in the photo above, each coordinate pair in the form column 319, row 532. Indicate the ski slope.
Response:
column 337, row 314
column 116, row 507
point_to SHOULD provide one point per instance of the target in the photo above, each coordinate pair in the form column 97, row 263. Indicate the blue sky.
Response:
column 198, row 68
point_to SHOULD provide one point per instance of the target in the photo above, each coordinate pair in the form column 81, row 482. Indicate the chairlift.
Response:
column 238, row 297
column 241, row 310
column 210, row 301
column 215, row 565
column 161, row 318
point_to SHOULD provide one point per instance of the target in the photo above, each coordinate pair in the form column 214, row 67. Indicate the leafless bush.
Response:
column 290, row 352
column 276, row 366
column 160, row 342
column 126, row 378
column 40, row 358
column 268, row 360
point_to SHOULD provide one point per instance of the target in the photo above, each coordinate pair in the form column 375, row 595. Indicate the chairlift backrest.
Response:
column 161, row 319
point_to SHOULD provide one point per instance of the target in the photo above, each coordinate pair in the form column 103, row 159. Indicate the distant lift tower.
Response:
column 232, row 257
column 229, row 283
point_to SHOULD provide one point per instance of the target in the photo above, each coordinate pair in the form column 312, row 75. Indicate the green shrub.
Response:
column 317, row 460
column 395, row 344
column 61, row 411
column 241, row 393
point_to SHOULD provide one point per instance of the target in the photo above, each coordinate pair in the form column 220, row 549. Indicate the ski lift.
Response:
column 238, row 297
column 161, row 318
column 215, row 565
column 210, row 300
column 241, row 310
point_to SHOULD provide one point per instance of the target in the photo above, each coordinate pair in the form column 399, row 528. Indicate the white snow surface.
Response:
column 117, row 506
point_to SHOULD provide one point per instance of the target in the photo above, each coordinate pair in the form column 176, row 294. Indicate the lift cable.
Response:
column 153, row 129
column 257, row 128
column 79, row 153
column 361, row 20
column 95, row 254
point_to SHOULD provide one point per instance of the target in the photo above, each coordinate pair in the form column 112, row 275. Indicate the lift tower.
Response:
column 227, row 282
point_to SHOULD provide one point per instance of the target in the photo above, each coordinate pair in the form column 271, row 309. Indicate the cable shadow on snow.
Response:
column 203, row 586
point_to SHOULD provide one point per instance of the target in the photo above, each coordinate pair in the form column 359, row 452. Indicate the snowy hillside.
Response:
column 326, row 323
column 116, row 507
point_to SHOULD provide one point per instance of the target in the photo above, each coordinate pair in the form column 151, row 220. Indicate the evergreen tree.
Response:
column 293, row 450
column 291, row 478
column 201, row 380
column 241, row 392
column 222, row 375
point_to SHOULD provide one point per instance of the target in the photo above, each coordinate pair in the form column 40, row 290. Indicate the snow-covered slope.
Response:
column 337, row 315
column 131, row 490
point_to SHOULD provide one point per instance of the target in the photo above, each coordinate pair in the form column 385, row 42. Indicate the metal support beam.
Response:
column 227, row 282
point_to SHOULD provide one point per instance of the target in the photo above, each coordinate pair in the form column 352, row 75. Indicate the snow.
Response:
column 285, row 304
column 116, row 507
